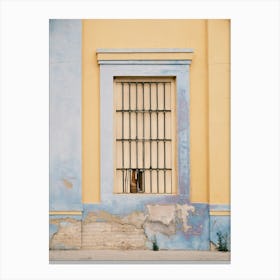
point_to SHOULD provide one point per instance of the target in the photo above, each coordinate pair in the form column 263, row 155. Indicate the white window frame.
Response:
column 179, row 69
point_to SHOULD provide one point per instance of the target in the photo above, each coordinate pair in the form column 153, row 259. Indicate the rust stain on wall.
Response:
column 67, row 184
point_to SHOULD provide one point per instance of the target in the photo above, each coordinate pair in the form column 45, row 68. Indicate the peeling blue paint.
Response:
column 202, row 228
column 52, row 230
column 65, row 224
column 76, row 217
column 196, row 238
column 124, row 204
column 180, row 242
column 62, row 246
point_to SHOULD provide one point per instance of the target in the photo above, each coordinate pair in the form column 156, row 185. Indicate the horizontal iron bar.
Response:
column 145, row 193
column 143, row 111
column 141, row 139
column 136, row 83
column 144, row 169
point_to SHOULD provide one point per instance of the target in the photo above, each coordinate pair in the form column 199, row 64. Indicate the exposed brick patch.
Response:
column 105, row 231
column 68, row 235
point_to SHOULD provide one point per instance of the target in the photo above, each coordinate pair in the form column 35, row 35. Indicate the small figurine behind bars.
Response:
column 133, row 182
column 136, row 183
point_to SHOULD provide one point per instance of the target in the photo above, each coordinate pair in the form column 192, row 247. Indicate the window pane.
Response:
column 143, row 124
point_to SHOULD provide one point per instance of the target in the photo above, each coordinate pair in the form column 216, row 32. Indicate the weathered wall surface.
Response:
column 172, row 226
column 65, row 232
column 127, row 222
column 102, row 230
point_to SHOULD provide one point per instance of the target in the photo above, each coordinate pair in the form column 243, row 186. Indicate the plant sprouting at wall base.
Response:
column 155, row 245
column 222, row 242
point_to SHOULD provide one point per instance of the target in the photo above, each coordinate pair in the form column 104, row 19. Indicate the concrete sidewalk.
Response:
column 137, row 256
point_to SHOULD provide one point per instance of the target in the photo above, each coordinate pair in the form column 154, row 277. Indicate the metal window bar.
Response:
column 143, row 111
column 131, row 168
column 157, row 136
column 137, row 173
column 129, row 106
column 136, row 120
column 123, row 138
column 143, row 139
column 164, row 155
column 143, row 135
column 151, row 179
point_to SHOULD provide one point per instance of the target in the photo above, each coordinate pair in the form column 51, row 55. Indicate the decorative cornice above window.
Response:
column 159, row 50
column 145, row 62
column 143, row 56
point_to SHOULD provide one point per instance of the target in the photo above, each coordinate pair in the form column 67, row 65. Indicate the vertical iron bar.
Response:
column 129, row 108
column 157, row 137
column 143, row 142
column 150, row 139
column 164, row 137
column 125, row 185
column 136, row 119
column 122, row 140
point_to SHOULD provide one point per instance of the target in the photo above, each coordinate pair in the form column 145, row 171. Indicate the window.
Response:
column 145, row 127
column 141, row 66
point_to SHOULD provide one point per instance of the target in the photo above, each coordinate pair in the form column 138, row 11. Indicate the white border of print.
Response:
column 254, row 141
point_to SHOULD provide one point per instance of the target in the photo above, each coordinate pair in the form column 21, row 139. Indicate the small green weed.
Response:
column 222, row 242
column 155, row 245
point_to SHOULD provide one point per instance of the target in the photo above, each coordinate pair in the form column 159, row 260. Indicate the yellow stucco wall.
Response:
column 209, row 139
column 219, row 110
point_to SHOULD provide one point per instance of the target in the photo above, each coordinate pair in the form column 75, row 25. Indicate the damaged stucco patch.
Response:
column 136, row 218
column 160, row 218
column 182, row 213
column 188, row 227
column 165, row 219
column 102, row 230
column 67, row 234
column 53, row 228
column 164, row 214
column 174, row 225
